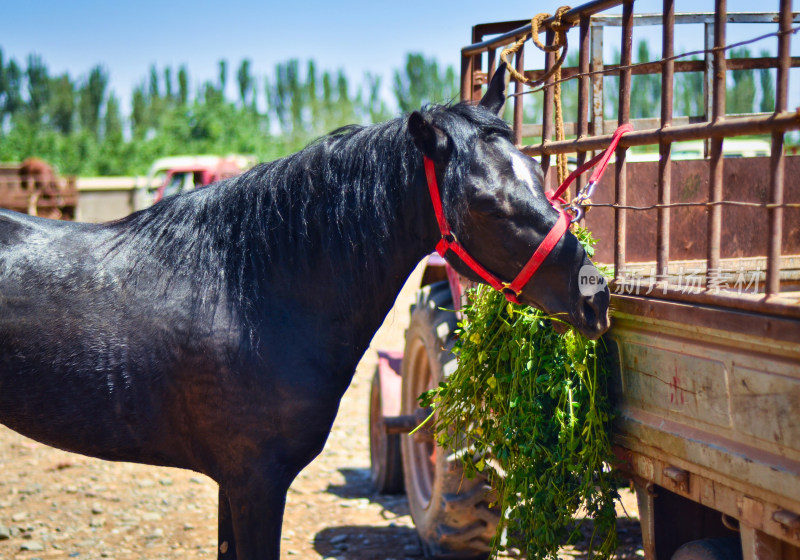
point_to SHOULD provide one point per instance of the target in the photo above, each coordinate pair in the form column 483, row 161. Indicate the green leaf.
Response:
column 544, row 429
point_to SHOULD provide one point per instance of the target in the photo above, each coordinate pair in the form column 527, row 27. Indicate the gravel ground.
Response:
column 55, row 504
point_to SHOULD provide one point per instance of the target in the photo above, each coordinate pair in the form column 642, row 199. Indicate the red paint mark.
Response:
column 676, row 395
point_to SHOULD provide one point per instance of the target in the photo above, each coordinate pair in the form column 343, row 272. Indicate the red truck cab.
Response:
column 181, row 179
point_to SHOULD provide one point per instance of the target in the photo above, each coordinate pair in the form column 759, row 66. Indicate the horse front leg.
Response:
column 226, row 541
column 252, row 517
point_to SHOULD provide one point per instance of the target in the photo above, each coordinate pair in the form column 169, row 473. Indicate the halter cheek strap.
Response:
column 448, row 242
column 513, row 289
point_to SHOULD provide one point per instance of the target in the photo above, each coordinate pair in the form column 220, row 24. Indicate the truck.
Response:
column 704, row 251
column 177, row 174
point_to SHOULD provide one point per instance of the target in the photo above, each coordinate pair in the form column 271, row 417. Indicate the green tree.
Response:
column 112, row 124
column 288, row 97
column 183, row 86
column 645, row 96
column 3, row 85
column 345, row 112
column 13, row 103
column 113, row 152
column 168, row 82
column 645, row 88
column 375, row 107
column 420, row 82
column 38, row 89
column 92, row 95
column 154, row 86
column 688, row 93
column 316, row 114
column 223, row 74
column 245, row 81
column 139, row 119
column 328, row 101
column 767, row 104
column 62, row 104
column 77, row 124
column 741, row 97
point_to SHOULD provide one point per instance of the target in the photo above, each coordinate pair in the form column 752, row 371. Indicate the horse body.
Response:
column 218, row 330
column 95, row 343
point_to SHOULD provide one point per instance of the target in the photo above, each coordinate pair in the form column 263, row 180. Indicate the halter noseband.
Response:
column 513, row 289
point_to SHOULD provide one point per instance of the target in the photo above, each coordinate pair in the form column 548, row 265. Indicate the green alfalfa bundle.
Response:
column 532, row 407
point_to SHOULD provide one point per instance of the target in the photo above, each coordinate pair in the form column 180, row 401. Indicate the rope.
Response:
column 559, row 43
column 561, row 37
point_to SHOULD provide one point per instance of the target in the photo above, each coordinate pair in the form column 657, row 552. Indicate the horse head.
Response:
column 493, row 197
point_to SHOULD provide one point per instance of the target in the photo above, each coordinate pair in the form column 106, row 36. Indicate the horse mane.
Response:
column 337, row 199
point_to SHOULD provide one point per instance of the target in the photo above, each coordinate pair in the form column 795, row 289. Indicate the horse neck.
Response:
column 354, row 297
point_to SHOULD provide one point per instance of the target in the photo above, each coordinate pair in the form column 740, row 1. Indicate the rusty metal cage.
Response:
column 46, row 196
column 740, row 216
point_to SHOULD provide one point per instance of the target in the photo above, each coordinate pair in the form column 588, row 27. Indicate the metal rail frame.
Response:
column 713, row 127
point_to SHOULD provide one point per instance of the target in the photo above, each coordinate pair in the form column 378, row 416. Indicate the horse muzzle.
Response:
column 591, row 316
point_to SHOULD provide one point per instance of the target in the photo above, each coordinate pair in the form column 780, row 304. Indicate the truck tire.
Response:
column 386, row 466
column 723, row 548
column 451, row 512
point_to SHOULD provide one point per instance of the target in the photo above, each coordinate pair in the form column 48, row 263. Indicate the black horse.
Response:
column 218, row 330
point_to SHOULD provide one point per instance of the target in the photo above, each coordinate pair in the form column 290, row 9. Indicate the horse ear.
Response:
column 495, row 97
column 429, row 139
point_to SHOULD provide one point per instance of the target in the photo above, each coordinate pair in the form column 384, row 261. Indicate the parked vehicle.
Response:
column 176, row 174
column 34, row 187
column 705, row 339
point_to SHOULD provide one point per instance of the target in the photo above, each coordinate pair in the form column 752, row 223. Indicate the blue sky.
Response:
column 355, row 35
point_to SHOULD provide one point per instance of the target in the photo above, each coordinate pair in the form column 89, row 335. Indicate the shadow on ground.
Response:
column 368, row 543
column 358, row 485
column 399, row 542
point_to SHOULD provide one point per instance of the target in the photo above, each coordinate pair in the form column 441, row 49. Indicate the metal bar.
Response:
column 492, row 64
column 583, row 91
column 571, row 128
column 520, row 66
column 615, row 20
column 775, row 215
column 597, row 81
column 714, row 231
column 547, row 108
column 570, row 17
column 621, row 181
column 680, row 66
column 708, row 73
column 466, row 77
column 477, row 59
column 591, row 8
column 664, row 148
column 404, row 423
column 607, row 127
column 756, row 303
column 584, row 82
column 764, row 124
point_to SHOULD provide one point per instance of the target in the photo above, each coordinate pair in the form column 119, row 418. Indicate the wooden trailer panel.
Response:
column 707, row 401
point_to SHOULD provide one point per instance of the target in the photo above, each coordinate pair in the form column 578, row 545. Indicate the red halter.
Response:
column 512, row 289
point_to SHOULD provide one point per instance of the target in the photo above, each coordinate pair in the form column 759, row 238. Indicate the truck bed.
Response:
column 707, row 400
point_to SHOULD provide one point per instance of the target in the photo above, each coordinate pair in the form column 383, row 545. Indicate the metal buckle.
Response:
column 576, row 205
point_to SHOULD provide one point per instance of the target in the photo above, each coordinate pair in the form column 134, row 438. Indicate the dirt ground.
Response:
column 55, row 504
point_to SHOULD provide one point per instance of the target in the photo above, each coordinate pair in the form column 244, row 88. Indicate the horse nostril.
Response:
column 589, row 310
column 594, row 311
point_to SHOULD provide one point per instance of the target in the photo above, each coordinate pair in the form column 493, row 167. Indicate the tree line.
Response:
column 76, row 122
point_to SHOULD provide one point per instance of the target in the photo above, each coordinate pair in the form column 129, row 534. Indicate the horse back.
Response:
column 84, row 356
